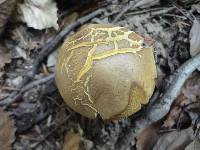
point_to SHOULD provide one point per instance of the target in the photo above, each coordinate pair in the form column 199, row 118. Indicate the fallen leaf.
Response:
column 160, row 77
column 195, row 38
column 51, row 61
column 16, row 81
column 24, row 39
column 1, row 1
column 172, row 118
column 1, row 74
column 193, row 110
column 69, row 19
column 7, row 131
column 5, row 57
column 195, row 145
column 148, row 137
column 6, row 9
column 189, row 95
column 146, row 3
column 39, row 14
column 196, row 7
column 87, row 144
column 175, row 140
column 72, row 141
column 20, row 53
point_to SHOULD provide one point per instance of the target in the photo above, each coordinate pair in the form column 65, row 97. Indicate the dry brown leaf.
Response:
column 172, row 119
column 148, row 137
column 195, row 38
column 160, row 77
column 72, row 141
column 174, row 140
column 195, row 145
column 7, row 131
column 190, row 94
column 69, row 19
column 6, row 9
column 5, row 57
column 39, row 14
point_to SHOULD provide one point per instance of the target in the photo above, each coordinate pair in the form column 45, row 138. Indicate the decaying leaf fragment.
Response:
column 195, row 145
column 176, row 140
column 39, row 14
column 7, row 131
column 189, row 95
column 72, row 141
column 148, row 137
column 5, row 57
column 195, row 38
column 6, row 9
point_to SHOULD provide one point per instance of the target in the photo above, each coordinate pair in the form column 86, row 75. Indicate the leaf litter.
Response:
column 39, row 14
column 167, row 133
column 7, row 131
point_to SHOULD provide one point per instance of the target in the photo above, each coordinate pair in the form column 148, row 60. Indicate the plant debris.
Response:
column 7, row 131
column 175, row 140
column 194, row 38
column 194, row 145
column 72, row 141
column 6, row 10
column 39, row 14
column 5, row 58
column 189, row 95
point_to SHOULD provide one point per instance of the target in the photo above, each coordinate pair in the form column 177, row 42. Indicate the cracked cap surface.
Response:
column 104, row 69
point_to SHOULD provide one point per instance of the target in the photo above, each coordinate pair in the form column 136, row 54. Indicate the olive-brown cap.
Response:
column 105, row 69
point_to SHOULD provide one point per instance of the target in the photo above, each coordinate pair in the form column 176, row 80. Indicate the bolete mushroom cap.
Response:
column 106, row 70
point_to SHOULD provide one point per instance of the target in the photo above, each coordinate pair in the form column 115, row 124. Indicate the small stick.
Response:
column 123, row 12
column 52, row 131
column 28, row 87
column 152, row 11
column 133, row 5
column 37, row 82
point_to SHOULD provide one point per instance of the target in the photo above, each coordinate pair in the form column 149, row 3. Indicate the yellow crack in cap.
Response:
column 104, row 69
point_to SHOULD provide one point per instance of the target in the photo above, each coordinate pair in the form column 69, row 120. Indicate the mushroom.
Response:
column 106, row 70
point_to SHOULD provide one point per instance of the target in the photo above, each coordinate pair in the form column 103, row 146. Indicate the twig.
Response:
column 34, row 121
column 159, row 109
column 123, row 12
column 177, row 16
column 52, row 131
column 152, row 11
column 28, row 87
column 37, row 82
column 186, row 13
column 46, row 50
column 135, row 5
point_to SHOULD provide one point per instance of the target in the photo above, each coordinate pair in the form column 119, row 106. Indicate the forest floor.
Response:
column 40, row 120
